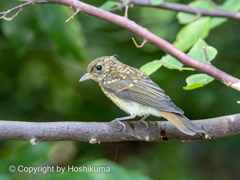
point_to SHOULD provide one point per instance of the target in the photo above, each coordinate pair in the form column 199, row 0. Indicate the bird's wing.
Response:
column 143, row 91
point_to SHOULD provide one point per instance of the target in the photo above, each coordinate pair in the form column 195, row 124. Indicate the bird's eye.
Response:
column 99, row 67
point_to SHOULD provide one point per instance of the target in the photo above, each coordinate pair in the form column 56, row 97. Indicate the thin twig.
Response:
column 72, row 17
column 72, row 10
column 144, row 41
column 125, row 2
column 199, row 15
column 73, row 14
column 19, row 7
column 206, row 55
column 187, row 9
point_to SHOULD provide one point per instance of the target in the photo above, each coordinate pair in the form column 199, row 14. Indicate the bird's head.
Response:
column 99, row 68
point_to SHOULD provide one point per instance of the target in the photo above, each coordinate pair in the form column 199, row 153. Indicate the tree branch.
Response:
column 13, row 9
column 154, row 40
column 187, row 9
column 151, row 38
column 96, row 132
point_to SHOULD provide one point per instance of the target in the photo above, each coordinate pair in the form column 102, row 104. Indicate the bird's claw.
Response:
column 124, row 126
column 143, row 120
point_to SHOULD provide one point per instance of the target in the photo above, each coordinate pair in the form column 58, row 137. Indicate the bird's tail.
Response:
column 182, row 123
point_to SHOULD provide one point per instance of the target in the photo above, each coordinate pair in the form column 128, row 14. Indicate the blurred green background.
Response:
column 41, row 61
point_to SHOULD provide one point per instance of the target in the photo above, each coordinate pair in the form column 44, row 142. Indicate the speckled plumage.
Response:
column 135, row 93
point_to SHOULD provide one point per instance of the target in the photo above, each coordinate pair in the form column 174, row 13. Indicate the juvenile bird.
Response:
column 135, row 93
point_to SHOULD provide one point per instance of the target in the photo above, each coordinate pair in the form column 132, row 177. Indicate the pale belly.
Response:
column 133, row 108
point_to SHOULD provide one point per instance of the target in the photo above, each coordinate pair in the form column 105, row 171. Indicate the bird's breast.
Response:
column 132, row 107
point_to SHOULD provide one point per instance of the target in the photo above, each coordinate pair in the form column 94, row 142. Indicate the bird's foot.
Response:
column 124, row 118
column 143, row 120
column 117, row 120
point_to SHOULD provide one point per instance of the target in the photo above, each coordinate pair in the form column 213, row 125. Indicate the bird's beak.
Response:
column 86, row 77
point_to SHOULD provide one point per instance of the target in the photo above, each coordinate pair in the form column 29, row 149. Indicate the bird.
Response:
column 135, row 93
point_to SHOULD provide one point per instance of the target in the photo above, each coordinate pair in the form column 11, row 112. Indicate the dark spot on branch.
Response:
column 131, row 126
column 163, row 135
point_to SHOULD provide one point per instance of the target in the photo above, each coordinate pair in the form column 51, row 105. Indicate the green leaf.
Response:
column 189, row 34
column 197, row 80
column 151, row 67
column 217, row 21
column 171, row 63
column 231, row 5
column 184, row 18
column 108, row 5
column 156, row 2
column 197, row 51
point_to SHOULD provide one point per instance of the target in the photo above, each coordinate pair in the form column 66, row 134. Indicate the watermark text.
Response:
column 58, row 169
